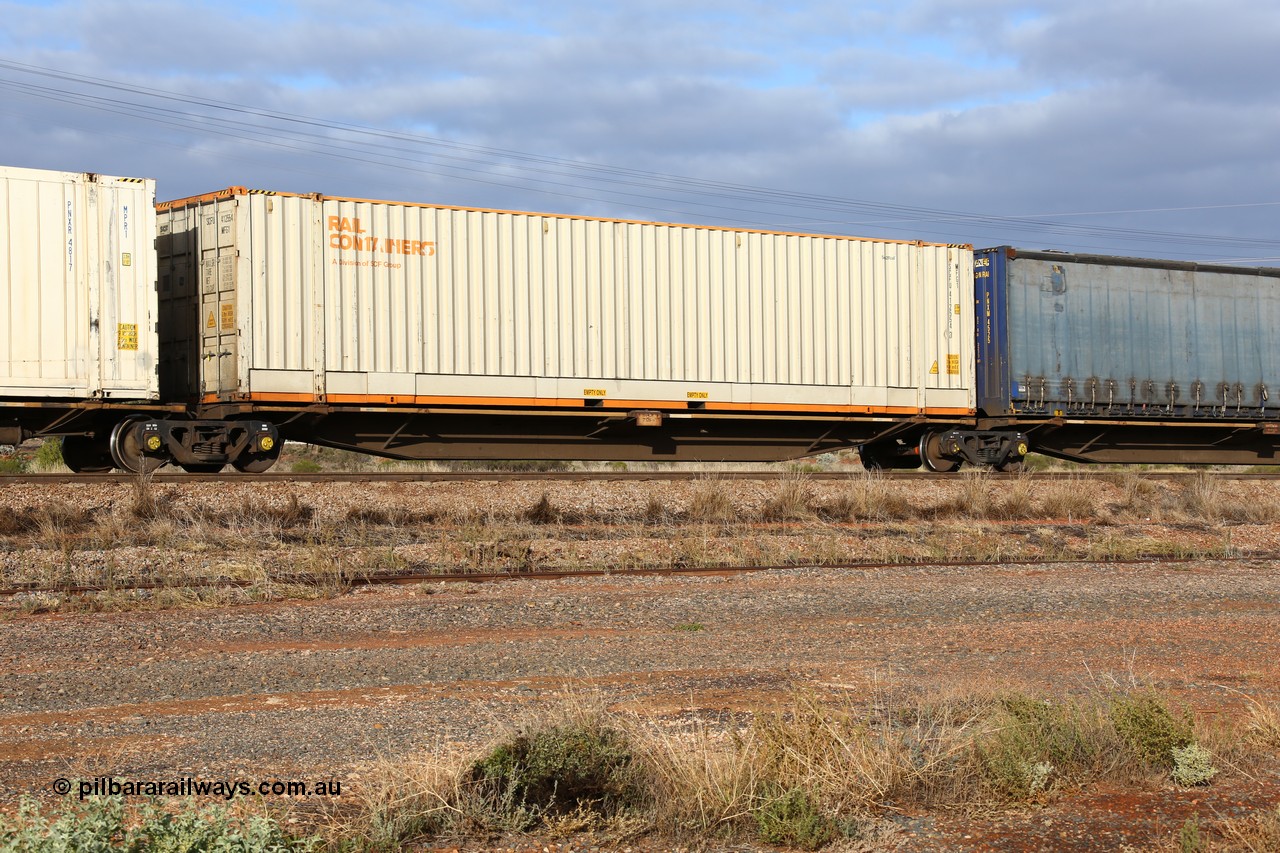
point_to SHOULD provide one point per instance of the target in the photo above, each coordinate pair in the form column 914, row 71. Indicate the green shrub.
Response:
column 13, row 464
column 100, row 824
column 794, row 820
column 581, row 766
column 306, row 466
column 1035, row 462
column 1189, row 839
column 1035, row 742
column 49, row 456
column 1147, row 724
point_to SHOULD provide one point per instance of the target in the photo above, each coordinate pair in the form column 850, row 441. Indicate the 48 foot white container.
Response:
column 285, row 298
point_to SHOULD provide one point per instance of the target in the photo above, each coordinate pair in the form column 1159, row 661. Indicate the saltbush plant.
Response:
column 102, row 824
column 1192, row 765
column 1150, row 727
column 1036, row 743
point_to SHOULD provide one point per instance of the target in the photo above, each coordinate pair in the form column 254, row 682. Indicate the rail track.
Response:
column 437, row 576
column 589, row 476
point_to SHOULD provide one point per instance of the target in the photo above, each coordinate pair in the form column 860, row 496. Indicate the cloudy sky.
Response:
column 1142, row 127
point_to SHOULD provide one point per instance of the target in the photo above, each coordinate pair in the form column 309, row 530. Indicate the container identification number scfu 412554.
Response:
column 347, row 233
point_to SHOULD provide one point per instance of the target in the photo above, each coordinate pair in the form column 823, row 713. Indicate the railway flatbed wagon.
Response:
column 423, row 331
column 205, row 331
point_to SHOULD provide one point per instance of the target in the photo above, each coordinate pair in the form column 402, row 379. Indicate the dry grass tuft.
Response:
column 544, row 512
column 703, row 782
column 1263, row 724
column 1205, row 499
column 372, row 516
column 146, row 505
column 869, row 497
column 1257, row 833
column 49, row 522
column 1139, row 495
column 1202, row 498
column 1073, row 499
column 853, row 759
column 817, row 770
column 790, row 502
column 982, row 497
column 293, row 513
column 399, row 803
column 710, row 504
column 655, row 511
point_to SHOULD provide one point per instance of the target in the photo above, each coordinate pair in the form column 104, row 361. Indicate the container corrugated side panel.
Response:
column 1140, row 334
column 281, row 309
column 353, row 299
column 77, row 290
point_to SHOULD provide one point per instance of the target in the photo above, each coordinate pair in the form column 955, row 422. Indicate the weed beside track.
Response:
column 145, row 544
column 819, row 770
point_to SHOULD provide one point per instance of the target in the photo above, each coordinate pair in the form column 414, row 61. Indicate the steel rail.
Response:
column 590, row 476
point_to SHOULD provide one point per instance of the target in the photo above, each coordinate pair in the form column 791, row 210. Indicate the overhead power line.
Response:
column 636, row 188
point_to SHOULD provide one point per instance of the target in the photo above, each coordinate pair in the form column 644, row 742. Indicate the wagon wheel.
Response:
column 85, row 454
column 255, row 463
column 126, row 449
column 932, row 457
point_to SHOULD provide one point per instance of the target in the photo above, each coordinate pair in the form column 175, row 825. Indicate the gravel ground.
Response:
column 320, row 690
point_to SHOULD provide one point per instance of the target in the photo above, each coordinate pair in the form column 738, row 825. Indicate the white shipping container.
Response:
column 77, row 286
column 308, row 298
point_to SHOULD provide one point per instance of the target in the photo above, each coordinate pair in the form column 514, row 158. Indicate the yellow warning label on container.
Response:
column 127, row 336
column 698, row 395
column 953, row 364
column 126, row 260
column 593, row 392
column 212, row 324
column 957, row 309
column 228, row 316
column 933, row 371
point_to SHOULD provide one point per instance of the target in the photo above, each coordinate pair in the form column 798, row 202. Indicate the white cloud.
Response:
column 996, row 106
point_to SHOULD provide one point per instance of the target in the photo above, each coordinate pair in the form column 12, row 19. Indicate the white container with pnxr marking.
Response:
column 299, row 298
column 77, row 286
